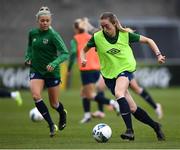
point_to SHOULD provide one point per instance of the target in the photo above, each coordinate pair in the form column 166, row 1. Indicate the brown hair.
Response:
column 114, row 20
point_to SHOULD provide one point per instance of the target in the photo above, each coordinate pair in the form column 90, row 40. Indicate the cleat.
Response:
column 115, row 106
column 62, row 120
column 53, row 130
column 18, row 98
column 159, row 133
column 128, row 135
column 98, row 114
column 86, row 118
column 159, row 111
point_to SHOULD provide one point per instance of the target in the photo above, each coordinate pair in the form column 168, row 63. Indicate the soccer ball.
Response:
column 102, row 132
column 35, row 115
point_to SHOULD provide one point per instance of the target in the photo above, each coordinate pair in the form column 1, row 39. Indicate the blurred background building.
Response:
column 158, row 19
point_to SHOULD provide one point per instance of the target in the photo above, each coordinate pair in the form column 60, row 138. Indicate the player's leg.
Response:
column 53, row 91
column 5, row 93
column 100, row 86
column 14, row 94
column 147, row 97
column 87, row 91
column 86, row 80
column 142, row 116
column 36, row 86
column 122, row 83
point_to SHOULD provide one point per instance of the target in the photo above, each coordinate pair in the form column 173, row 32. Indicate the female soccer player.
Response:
column 89, row 74
column 46, row 50
column 117, row 65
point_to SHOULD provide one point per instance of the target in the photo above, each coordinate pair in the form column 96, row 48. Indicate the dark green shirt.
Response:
column 73, row 54
column 133, row 37
column 46, row 48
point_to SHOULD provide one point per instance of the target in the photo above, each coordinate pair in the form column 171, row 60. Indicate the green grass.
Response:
column 18, row 131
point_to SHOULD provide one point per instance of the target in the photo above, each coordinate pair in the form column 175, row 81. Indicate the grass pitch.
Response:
column 18, row 131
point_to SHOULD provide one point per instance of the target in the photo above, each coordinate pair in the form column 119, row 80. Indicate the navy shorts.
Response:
column 88, row 77
column 49, row 82
column 111, row 83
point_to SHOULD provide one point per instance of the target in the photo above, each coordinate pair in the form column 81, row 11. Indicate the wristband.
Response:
column 157, row 54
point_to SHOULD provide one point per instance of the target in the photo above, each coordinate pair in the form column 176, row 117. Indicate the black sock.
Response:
column 101, row 99
column 125, row 112
column 101, row 93
column 60, row 108
column 44, row 111
column 100, row 105
column 142, row 116
column 4, row 93
column 86, row 104
column 148, row 98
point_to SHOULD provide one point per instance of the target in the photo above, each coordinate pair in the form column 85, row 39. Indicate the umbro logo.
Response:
column 113, row 51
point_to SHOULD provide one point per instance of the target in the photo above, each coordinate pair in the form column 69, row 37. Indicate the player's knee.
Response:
column 90, row 95
column 36, row 96
column 119, row 94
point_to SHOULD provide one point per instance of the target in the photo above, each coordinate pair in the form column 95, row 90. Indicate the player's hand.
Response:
column 161, row 59
column 50, row 68
column 28, row 63
column 83, row 62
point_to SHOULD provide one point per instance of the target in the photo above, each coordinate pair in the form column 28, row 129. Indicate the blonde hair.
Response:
column 114, row 20
column 44, row 10
column 84, row 24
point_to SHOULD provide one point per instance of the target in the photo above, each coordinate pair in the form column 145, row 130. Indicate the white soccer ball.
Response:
column 102, row 132
column 35, row 115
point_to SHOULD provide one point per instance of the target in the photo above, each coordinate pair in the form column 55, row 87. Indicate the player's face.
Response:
column 44, row 22
column 108, row 27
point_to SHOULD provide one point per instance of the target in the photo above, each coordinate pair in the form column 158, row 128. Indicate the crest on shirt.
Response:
column 45, row 41
column 34, row 40
column 113, row 51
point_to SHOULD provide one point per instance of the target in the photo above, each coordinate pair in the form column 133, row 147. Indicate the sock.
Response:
column 100, row 105
column 142, row 116
column 44, row 111
column 60, row 108
column 86, row 105
column 125, row 112
column 148, row 98
column 4, row 93
column 101, row 99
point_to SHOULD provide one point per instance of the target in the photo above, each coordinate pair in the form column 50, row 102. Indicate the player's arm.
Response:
column 90, row 44
column 73, row 53
column 133, row 37
column 154, row 47
column 28, row 53
column 61, row 47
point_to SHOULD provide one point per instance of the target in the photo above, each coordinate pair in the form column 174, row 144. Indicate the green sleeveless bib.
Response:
column 114, row 58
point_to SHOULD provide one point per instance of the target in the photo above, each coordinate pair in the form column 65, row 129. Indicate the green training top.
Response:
column 133, row 37
column 73, row 53
column 46, row 48
column 114, row 58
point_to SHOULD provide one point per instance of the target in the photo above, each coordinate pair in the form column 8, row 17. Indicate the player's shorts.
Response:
column 49, row 82
column 111, row 83
column 88, row 77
